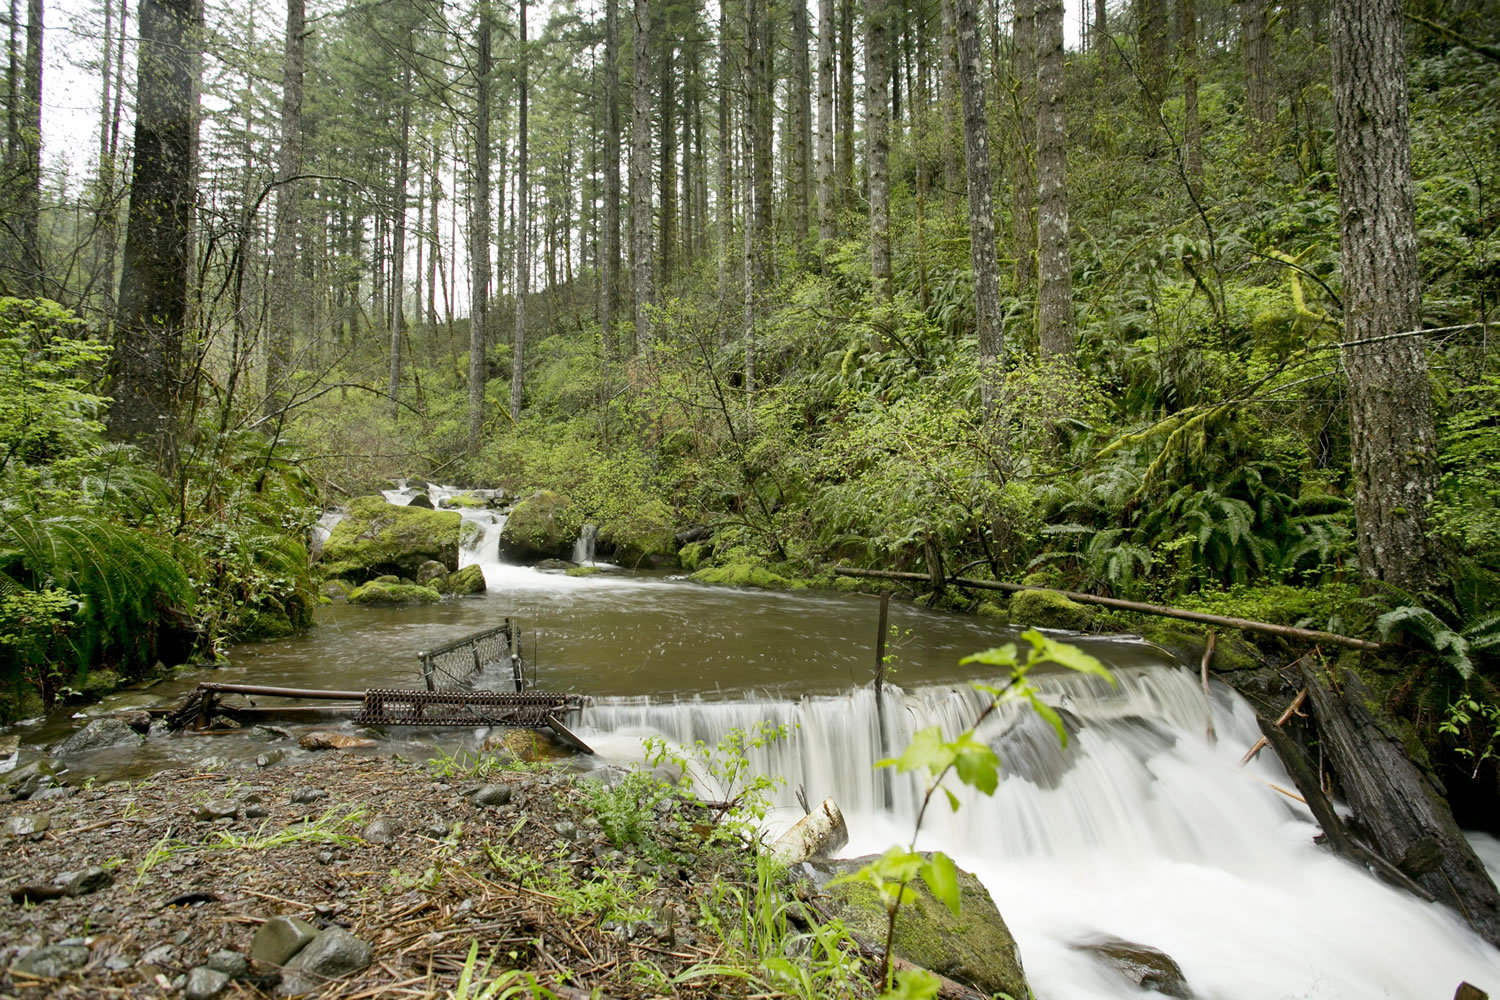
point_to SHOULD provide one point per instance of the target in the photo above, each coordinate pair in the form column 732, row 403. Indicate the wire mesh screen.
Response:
column 454, row 665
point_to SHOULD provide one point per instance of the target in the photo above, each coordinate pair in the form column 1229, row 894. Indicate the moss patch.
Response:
column 584, row 571
column 469, row 580
column 693, row 555
column 747, row 574
column 394, row 593
column 1047, row 609
column 379, row 539
column 975, row 947
column 645, row 536
column 543, row 526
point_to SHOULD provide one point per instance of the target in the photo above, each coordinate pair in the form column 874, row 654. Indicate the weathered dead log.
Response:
column 1260, row 744
column 1402, row 809
column 1157, row 610
column 1468, row 991
column 1305, row 777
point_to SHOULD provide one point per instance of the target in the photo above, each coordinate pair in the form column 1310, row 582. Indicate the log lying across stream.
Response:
column 1158, row 610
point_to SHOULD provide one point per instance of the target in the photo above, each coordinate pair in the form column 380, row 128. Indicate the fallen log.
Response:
column 1402, row 809
column 1157, row 610
column 1260, row 744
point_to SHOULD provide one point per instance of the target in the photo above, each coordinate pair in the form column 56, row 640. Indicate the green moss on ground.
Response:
column 747, row 574
column 394, row 593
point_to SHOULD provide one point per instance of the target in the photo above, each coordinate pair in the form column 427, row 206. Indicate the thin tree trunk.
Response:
column 667, row 171
column 801, row 126
column 434, row 248
column 1260, row 103
column 640, row 178
column 1054, row 264
column 479, row 234
column 523, row 238
column 29, row 208
column 398, row 240
column 725, row 220
column 952, row 101
column 827, row 227
column 1393, row 440
column 609, row 276
column 844, row 155
column 420, row 241
column 1192, row 128
column 877, row 147
column 981, row 213
column 109, row 223
column 762, row 114
column 288, row 213
column 1022, row 162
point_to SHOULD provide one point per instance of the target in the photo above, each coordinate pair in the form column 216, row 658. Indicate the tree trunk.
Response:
column 609, row 271
column 1393, row 441
column 479, row 233
column 1023, row 157
column 667, row 159
column 1054, row 264
column 523, row 229
column 284, row 249
column 398, row 238
column 844, row 112
column 1151, row 22
column 29, row 175
column 1192, row 128
column 1255, row 40
column 640, row 177
column 877, row 147
column 952, row 101
column 801, row 127
column 827, row 227
column 981, row 214
column 762, row 114
column 153, row 286
column 1098, row 37
column 725, row 220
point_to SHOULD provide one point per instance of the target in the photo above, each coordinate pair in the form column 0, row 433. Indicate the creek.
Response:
column 1141, row 829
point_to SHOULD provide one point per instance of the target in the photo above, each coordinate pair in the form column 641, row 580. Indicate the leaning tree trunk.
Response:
column 981, row 214
column 479, row 230
column 1392, row 437
column 877, row 147
column 640, row 177
column 153, row 284
column 1054, row 264
column 284, row 249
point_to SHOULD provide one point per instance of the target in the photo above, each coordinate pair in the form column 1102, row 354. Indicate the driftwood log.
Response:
column 1402, row 809
column 1158, row 610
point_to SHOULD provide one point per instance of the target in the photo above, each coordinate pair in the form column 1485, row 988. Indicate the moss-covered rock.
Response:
column 469, row 580
column 98, row 683
column 429, row 571
column 379, row 539
column 542, row 526
column 20, row 701
column 584, row 571
column 335, row 590
column 1048, row 609
column 693, row 555
column 646, row 536
column 393, row 593
column 974, row 948
column 742, row 573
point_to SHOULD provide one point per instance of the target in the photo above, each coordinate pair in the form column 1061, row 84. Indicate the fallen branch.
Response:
column 1158, row 610
column 1260, row 744
column 1208, row 703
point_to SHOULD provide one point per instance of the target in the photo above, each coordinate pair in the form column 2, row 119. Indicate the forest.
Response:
column 1184, row 301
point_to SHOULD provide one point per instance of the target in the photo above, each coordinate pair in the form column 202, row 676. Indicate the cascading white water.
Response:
column 583, row 546
column 1140, row 829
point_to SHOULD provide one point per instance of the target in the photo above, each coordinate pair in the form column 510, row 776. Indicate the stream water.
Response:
column 1141, row 829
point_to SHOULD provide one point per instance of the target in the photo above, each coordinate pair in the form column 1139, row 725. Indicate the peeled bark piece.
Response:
column 1402, row 808
column 816, row 835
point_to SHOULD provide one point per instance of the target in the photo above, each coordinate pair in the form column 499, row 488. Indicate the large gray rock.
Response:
column 27, row 825
column 52, row 961
column 99, row 735
column 1143, row 965
column 280, row 938
column 26, row 781
column 974, row 948
column 332, row 954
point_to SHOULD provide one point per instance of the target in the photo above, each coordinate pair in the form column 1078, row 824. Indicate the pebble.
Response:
column 279, row 938
column 437, row 828
column 217, row 809
column 204, row 983
column 87, row 881
column 160, row 955
column 566, row 829
column 308, row 794
column 331, row 954
column 270, row 757
column 256, row 812
column 492, row 795
column 29, row 825
column 380, row 831
column 272, row 732
column 52, row 961
column 231, row 963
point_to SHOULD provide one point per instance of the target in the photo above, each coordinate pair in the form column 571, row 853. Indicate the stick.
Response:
column 1208, row 654
column 1260, row 744
column 1161, row 611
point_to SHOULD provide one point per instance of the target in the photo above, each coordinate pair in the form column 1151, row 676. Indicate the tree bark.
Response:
column 1098, row 37
column 523, row 228
column 667, row 162
column 29, row 276
column 479, row 232
column 284, row 249
column 1255, row 41
column 724, row 223
column 877, row 147
column 1023, row 157
column 1151, row 21
column 827, row 227
column 153, row 286
column 398, row 238
column 1054, row 263
column 844, row 156
column 981, row 213
column 762, row 109
column 609, row 271
column 1392, row 436
column 640, row 178
column 1192, row 128
column 801, row 127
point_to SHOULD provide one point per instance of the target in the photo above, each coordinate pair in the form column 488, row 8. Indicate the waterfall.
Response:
column 1139, row 829
column 583, row 548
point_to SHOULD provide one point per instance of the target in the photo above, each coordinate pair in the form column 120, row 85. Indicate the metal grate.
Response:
column 394, row 707
column 455, row 664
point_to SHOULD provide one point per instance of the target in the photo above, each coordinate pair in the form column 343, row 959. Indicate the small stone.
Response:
column 325, row 910
column 204, row 983
column 270, row 757
column 332, row 954
column 54, row 792
column 325, row 858
column 24, row 782
column 566, row 829
column 325, row 740
column 217, row 809
column 117, row 963
column 97, row 735
column 256, row 812
column 437, row 828
column 308, row 794
column 231, row 963
column 223, row 722
column 380, row 831
column 492, row 795
column 279, row 938
column 271, row 732
column 160, row 955
column 87, row 881
column 27, row 825
column 52, row 961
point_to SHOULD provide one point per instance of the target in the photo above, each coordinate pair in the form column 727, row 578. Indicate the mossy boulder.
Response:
column 975, row 948
column 379, row 539
column 335, row 590
column 429, row 571
column 584, row 571
column 20, row 701
column 1049, row 609
column 746, row 574
column 646, row 536
column 469, row 580
column 693, row 555
column 393, row 593
column 543, row 526
column 98, row 683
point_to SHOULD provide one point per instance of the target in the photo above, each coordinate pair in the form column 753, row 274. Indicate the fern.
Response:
column 1426, row 629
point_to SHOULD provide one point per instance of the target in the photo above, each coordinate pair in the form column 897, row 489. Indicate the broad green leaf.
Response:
column 927, row 750
column 941, row 876
column 913, row 984
column 1066, row 655
column 1049, row 713
column 976, row 764
column 999, row 656
column 952, row 799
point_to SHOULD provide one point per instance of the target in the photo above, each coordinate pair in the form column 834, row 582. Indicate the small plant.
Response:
column 508, row 985
column 1480, row 721
column 975, row 765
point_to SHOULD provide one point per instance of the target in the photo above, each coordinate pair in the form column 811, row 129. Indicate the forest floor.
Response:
column 176, row 871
